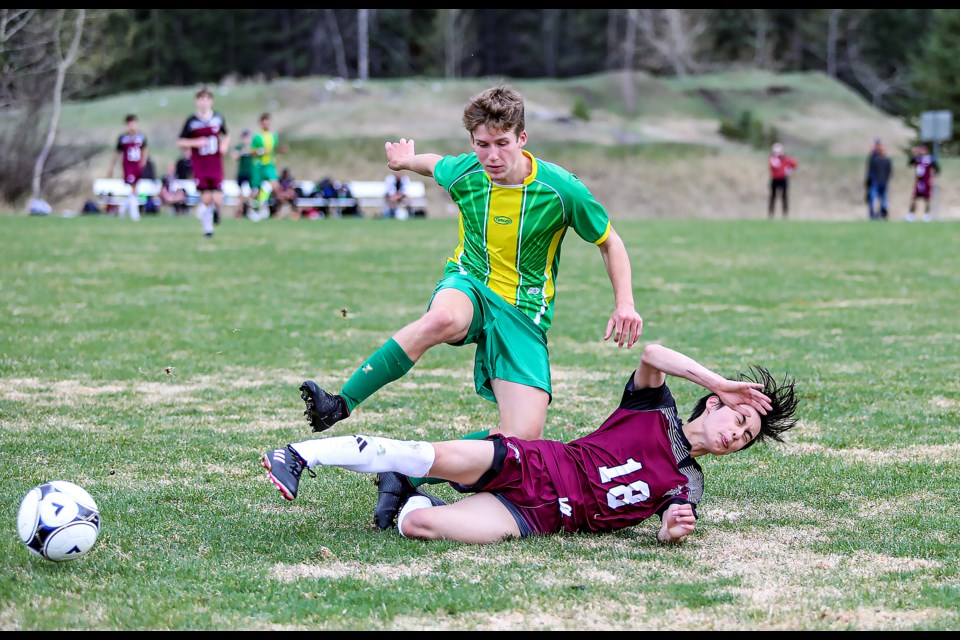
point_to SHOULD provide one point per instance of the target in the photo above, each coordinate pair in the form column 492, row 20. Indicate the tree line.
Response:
column 903, row 61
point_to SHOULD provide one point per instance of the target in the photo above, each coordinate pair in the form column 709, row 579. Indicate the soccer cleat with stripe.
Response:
column 284, row 468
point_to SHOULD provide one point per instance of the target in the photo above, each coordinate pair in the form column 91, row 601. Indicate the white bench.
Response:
column 114, row 191
column 368, row 195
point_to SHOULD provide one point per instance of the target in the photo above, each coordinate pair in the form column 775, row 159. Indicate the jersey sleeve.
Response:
column 449, row 168
column 119, row 143
column 648, row 399
column 185, row 132
column 588, row 217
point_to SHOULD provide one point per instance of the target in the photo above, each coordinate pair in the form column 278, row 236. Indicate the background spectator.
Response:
column 781, row 167
column 396, row 201
column 879, row 171
column 170, row 193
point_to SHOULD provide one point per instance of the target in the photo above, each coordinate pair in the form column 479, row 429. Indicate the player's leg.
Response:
column 523, row 409
column 133, row 201
column 462, row 461
column 512, row 368
column 448, row 319
column 479, row 518
column 784, row 197
column 205, row 210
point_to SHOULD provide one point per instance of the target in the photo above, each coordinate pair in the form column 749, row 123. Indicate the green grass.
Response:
column 152, row 367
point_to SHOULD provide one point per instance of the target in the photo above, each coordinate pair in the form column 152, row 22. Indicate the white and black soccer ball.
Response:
column 59, row 521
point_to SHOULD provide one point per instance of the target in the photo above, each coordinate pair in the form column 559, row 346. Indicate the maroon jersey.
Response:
column 632, row 467
column 131, row 148
column 207, row 162
column 924, row 167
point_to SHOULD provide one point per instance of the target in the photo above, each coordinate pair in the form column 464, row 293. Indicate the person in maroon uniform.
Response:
column 924, row 167
column 640, row 462
column 781, row 168
column 132, row 149
column 205, row 134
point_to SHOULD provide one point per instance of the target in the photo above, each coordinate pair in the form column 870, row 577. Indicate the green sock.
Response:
column 262, row 196
column 478, row 435
column 388, row 363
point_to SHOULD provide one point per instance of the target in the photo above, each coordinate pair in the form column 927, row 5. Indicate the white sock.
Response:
column 206, row 217
column 413, row 503
column 134, row 206
column 368, row 454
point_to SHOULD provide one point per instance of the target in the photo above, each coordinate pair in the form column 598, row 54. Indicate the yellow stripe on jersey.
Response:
column 503, row 231
column 549, row 285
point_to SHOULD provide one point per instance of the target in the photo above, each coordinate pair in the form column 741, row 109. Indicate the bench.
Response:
column 368, row 195
column 113, row 192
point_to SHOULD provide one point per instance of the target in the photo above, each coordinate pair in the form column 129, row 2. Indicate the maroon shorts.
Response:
column 208, row 183
column 516, row 478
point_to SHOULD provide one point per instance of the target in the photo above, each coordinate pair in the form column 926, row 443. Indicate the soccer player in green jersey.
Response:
column 497, row 290
column 264, row 147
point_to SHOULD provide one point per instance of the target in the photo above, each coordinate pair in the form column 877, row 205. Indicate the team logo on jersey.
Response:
column 502, row 220
column 533, row 291
column 565, row 508
column 516, row 452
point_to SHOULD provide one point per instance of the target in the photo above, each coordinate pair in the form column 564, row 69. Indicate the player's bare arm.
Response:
column 658, row 361
column 401, row 156
column 625, row 325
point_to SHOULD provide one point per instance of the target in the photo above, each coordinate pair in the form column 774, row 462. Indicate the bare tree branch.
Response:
column 63, row 65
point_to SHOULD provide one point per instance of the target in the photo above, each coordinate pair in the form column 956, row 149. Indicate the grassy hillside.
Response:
column 666, row 159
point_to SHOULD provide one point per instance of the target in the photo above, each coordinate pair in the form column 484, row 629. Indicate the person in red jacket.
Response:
column 781, row 166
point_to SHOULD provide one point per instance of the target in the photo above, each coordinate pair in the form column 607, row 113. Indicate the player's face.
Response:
column 727, row 430
column 204, row 103
column 500, row 154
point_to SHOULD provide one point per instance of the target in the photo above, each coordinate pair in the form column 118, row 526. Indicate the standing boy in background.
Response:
column 924, row 167
column 205, row 134
column 132, row 147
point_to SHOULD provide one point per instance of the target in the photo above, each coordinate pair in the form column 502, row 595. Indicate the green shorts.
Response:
column 262, row 173
column 509, row 345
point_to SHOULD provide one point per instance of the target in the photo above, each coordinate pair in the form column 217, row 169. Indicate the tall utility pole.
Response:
column 363, row 44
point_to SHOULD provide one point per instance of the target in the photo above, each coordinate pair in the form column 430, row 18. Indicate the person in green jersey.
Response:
column 241, row 153
column 264, row 147
column 498, row 288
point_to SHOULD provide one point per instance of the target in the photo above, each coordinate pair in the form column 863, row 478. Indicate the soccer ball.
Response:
column 58, row 520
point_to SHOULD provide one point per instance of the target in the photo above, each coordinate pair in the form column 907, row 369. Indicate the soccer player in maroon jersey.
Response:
column 132, row 148
column 205, row 134
column 640, row 462
column 924, row 167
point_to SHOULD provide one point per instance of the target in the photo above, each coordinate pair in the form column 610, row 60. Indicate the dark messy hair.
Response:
column 499, row 108
column 130, row 117
column 783, row 403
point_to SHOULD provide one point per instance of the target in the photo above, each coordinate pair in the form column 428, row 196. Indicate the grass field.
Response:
column 152, row 367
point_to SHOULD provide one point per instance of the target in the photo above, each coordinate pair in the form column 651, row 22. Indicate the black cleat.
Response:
column 284, row 467
column 394, row 489
column 323, row 409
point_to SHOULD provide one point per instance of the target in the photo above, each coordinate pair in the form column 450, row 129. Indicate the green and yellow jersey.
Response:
column 510, row 236
column 267, row 142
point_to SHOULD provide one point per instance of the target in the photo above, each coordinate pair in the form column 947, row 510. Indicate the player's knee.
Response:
column 443, row 324
column 420, row 524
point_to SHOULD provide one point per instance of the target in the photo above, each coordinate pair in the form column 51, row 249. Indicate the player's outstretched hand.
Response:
column 625, row 326
column 398, row 152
